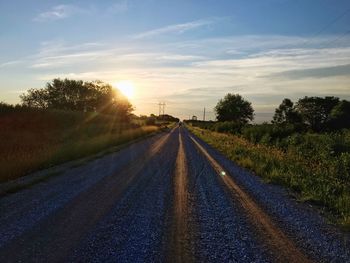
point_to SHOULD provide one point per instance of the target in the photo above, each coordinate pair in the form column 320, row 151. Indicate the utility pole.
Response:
column 161, row 108
column 204, row 114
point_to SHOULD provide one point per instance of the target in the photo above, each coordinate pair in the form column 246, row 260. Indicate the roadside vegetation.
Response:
column 306, row 148
column 64, row 121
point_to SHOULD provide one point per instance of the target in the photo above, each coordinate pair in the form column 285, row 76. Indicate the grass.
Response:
column 35, row 140
column 321, row 181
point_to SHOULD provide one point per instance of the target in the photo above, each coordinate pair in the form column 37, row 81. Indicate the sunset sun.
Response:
column 126, row 87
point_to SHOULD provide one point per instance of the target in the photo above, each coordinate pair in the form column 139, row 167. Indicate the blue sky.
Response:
column 186, row 53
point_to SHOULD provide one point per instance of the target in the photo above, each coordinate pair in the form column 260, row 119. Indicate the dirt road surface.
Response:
column 168, row 198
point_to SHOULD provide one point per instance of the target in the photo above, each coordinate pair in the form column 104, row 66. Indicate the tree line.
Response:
column 316, row 113
column 76, row 95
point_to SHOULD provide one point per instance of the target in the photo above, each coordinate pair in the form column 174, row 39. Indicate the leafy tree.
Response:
column 77, row 95
column 316, row 111
column 340, row 115
column 234, row 108
column 286, row 113
column 35, row 98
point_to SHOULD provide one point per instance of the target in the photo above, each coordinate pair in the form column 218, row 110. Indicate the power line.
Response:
column 317, row 33
column 336, row 39
column 161, row 108
column 332, row 22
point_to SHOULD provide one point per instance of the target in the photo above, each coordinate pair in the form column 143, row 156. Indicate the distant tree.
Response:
column 234, row 108
column 36, row 98
column 77, row 95
column 286, row 113
column 316, row 111
column 167, row 117
column 6, row 108
column 340, row 115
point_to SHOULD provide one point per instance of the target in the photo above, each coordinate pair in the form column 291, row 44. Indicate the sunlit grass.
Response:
column 35, row 140
column 319, row 180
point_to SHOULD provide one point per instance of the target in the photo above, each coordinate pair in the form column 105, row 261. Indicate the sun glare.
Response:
column 126, row 88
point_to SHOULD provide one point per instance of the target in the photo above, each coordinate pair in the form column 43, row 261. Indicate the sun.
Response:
column 126, row 87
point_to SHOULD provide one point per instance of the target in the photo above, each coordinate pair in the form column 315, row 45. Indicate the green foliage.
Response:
column 286, row 113
column 270, row 133
column 316, row 111
column 227, row 126
column 234, row 108
column 340, row 115
column 316, row 166
column 320, row 114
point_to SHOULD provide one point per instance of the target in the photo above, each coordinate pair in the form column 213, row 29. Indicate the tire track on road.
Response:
column 133, row 230
column 179, row 247
column 282, row 247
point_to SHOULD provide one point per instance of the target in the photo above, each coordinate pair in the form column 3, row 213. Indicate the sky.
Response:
column 185, row 53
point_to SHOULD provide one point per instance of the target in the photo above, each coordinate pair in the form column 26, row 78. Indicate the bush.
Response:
column 317, row 166
column 227, row 127
column 150, row 121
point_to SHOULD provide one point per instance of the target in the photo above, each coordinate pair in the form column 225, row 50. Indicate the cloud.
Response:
column 120, row 6
column 57, row 12
column 189, row 75
column 319, row 72
column 177, row 28
column 11, row 63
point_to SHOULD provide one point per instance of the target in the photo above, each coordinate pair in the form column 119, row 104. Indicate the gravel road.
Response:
column 168, row 198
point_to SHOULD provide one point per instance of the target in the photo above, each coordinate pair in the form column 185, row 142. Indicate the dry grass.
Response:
column 33, row 140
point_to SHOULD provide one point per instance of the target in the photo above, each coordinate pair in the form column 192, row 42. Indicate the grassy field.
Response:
column 321, row 179
column 33, row 140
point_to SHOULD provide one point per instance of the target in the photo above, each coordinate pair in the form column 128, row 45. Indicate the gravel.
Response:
column 22, row 210
column 223, row 233
column 301, row 222
column 135, row 228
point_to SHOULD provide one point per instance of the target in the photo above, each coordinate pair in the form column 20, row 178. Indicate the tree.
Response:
column 340, row 115
column 286, row 113
column 234, row 108
column 77, row 95
column 316, row 111
column 35, row 98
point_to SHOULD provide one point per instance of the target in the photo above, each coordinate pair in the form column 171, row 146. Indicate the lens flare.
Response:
column 126, row 88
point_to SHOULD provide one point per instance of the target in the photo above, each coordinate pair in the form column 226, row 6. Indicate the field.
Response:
column 32, row 140
column 316, row 167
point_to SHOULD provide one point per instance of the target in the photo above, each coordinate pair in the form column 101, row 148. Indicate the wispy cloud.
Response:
column 177, row 28
column 318, row 72
column 120, row 6
column 264, row 70
column 10, row 63
column 57, row 12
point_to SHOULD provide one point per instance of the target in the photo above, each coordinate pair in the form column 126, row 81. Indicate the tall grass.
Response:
column 31, row 140
column 321, row 177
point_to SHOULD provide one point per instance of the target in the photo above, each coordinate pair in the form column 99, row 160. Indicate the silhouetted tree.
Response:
column 286, row 113
column 77, row 95
column 316, row 111
column 234, row 108
column 36, row 98
column 340, row 115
